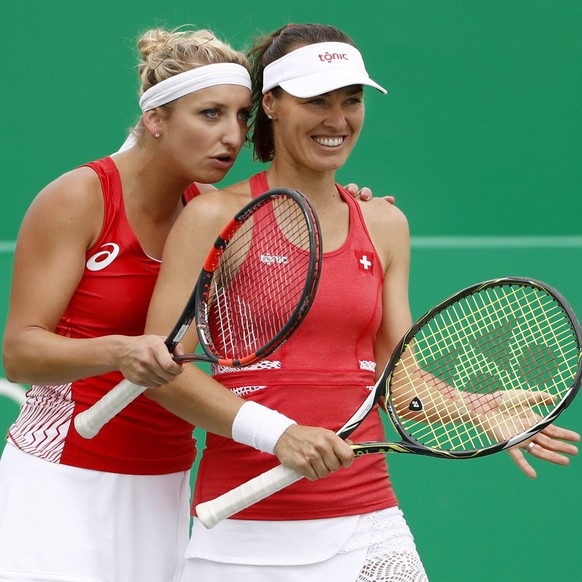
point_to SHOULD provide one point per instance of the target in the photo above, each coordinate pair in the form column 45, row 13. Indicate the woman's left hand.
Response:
column 364, row 193
column 551, row 444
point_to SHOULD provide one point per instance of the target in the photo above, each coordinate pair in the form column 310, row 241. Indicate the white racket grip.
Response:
column 214, row 511
column 92, row 420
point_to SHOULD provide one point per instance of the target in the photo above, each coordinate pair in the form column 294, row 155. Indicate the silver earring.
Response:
column 270, row 116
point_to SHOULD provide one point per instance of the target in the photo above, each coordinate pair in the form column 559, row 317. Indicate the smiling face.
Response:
column 319, row 132
column 204, row 132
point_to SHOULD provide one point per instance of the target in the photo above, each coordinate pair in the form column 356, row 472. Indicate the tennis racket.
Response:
column 481, row 372
column 256, row 286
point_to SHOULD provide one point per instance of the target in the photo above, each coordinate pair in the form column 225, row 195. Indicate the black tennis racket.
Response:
column 256, row 286
column 481, row 372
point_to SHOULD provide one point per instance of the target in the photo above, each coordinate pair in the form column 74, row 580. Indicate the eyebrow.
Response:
column 212, row 103
column 205, row 104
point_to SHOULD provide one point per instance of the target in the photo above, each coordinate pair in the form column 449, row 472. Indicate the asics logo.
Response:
column 270, row 259
column 103, row 258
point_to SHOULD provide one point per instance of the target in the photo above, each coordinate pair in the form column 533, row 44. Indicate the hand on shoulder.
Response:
column 366, row 193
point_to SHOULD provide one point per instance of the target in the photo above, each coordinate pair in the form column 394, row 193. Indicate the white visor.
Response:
column 318, row 68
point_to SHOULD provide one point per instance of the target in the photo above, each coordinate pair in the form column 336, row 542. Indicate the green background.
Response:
column 479, row 138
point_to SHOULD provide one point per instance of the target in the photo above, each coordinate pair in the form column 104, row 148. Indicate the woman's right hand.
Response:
column 313, row 452
column 145, row 360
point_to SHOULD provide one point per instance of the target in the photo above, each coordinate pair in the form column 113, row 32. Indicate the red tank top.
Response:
column 319, row 377
column 112, row 298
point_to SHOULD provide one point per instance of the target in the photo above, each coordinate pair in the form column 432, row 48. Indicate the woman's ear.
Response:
column 269, row 104
column 152, row 122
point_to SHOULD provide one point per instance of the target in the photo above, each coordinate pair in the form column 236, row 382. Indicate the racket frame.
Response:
column 196, row 307
column 89, row 422
column 215, row 510
column 383, row 386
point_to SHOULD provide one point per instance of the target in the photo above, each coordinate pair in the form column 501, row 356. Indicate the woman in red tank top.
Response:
column 309, row 98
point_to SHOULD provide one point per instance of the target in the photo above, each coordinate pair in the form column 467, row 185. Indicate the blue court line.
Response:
column 454, row 242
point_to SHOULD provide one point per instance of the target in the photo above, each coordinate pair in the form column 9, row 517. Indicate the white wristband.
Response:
column 259, row 427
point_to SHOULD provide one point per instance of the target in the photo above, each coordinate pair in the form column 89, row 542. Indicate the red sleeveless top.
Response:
column 319, row 377
column 112, row 298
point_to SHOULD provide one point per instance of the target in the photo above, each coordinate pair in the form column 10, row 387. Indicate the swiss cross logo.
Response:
column 365, row 261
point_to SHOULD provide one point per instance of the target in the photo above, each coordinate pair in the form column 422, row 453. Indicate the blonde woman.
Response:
column 115, row 508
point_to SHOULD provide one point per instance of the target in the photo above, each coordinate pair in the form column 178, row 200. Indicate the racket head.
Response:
column 259, row 280
column 513, row 339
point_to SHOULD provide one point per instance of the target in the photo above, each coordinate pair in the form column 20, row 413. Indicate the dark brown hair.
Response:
column 267, row 50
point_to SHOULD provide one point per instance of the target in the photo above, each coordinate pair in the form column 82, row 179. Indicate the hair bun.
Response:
column 153, row 41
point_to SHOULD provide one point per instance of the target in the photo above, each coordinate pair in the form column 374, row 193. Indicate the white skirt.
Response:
column 65, row 524
column 372, row 547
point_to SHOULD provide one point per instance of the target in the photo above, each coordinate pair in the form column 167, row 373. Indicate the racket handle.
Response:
column 214, row 511
column 92, row 420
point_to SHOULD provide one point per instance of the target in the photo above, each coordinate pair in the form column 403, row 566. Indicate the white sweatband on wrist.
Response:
column 259, row 427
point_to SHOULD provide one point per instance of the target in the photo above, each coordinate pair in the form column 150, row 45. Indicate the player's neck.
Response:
column 318, row 186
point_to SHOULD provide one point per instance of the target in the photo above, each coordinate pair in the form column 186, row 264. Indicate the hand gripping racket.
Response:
column 481, row 372
column 256, row 286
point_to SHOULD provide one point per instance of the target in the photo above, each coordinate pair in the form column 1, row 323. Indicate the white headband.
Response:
column 318, row 68
column 194, row 80
column 188, row 82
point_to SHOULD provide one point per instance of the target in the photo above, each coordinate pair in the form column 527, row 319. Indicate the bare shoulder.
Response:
column 217, row 204
column 382, row 216
column 206, row 215
column 73, row 202
column 388, row 228
column 78, row 186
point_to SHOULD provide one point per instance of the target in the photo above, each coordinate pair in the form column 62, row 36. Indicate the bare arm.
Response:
column 500, row 414
column 389, row 231
column 195, row 396
column 445, row 403
column 61, row 224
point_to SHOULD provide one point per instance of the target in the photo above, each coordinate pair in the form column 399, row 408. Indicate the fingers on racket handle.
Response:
column 214, row 511
column 90, row 422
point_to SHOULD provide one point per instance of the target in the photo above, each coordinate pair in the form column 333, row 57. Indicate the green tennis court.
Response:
column 479, row 139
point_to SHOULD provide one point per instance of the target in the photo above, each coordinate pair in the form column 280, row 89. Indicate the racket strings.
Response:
column 228, row 314
column 260, row 279
column 471, row 362
column 519, row 404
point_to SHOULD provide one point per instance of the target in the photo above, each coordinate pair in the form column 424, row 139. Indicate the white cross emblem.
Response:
column 365, row 262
